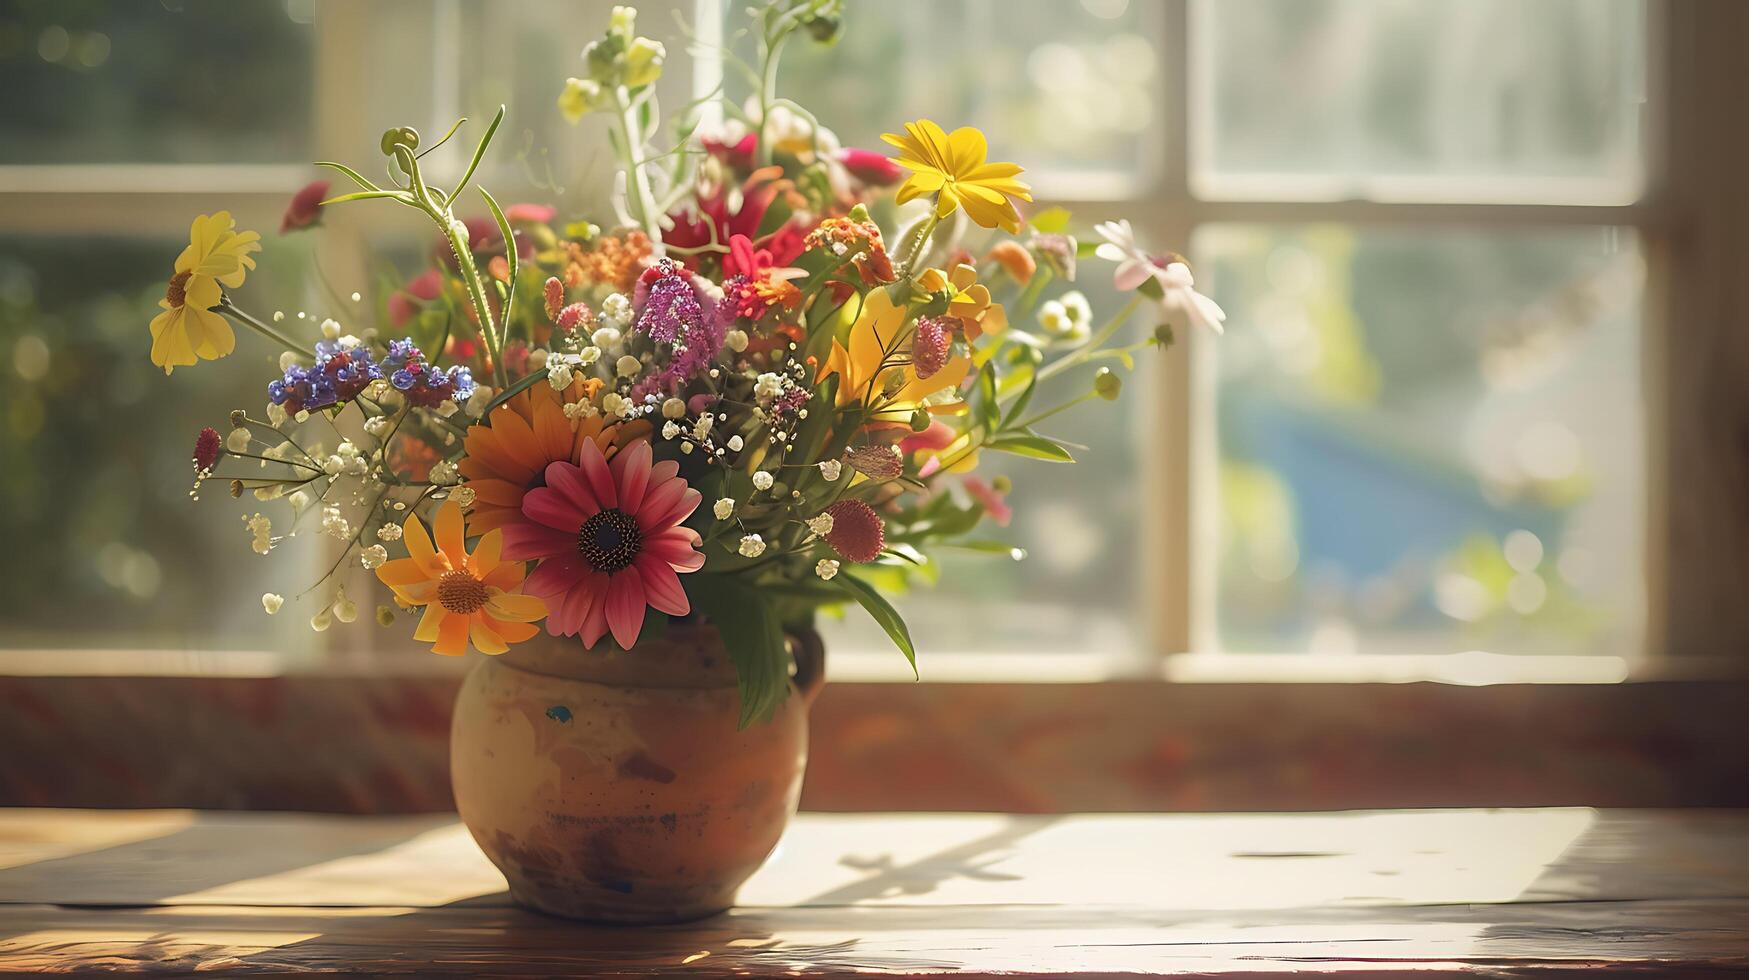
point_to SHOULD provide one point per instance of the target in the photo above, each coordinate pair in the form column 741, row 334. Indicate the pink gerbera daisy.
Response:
column 610, row 542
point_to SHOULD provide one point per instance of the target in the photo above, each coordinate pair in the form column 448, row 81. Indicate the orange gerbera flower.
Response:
column 508, row 456
column 467, row 598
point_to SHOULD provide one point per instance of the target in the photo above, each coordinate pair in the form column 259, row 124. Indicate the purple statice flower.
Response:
column 672, row 306
column 691, row 355
column 670, row 309
column 424, row 384
column 337, row 377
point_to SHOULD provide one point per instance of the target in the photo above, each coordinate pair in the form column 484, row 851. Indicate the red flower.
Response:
column 858, row 533
column 870, row 167
column 207, row 447
column 533, row 214
column 610, row 542
column 404, row 302
column 693, row 229
column 305, row 208
column 553, row 293
column 738, row 155
column 990, row 500
column 935, row 438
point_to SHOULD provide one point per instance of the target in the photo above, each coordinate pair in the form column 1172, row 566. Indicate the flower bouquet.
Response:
column 729, row 396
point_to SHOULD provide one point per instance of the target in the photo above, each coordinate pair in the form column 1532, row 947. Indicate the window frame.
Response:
column 1179, row 565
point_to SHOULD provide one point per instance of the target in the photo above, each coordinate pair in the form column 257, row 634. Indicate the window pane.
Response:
column 173, row 81
column 1350, row 90
column 1079, row 588
column 1429, row 442
column 1055, row 84
column 103, row 546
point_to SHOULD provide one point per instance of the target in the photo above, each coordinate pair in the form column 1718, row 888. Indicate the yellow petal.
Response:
column 516, row 608
column 430, row 624
column 170, row 346
column 452, row 636
column 201, row 292
column 485, row 556
column 486, row 640
column 210, row 334
column 401, row 571
column 945, row 204
column 934, row 142
column 993, row 172
column 969, row 149
column 239, row 247
column 419, row 546
column 447, row 530
column 418, row 594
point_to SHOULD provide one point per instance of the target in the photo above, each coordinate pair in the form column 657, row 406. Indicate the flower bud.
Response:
column 1107, row 385
column 643, row 63
column 405, row 136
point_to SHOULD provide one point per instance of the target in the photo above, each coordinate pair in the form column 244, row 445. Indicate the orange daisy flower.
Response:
column 467, row 598
column 508, row 456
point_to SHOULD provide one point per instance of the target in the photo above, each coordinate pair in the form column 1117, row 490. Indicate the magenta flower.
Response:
column 610, row 542
column 870, row 167
column 305, row 208
column 404, row 303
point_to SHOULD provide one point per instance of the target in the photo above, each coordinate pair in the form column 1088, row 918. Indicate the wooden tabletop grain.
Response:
column 1497, row 893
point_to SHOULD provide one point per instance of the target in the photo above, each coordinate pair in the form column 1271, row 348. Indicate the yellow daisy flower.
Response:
column 188, row 330
column 467, row 598
column 951, row 166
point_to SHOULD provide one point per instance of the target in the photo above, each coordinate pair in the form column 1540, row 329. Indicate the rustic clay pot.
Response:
column 612, row 785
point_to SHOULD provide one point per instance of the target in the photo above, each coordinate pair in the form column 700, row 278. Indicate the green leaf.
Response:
column 883, row 613
column 401, row 196
column 446, row 136
column 989, row 408
column 353, row 175
column 505, row 230
column 1032, row 447
column 987, row 547
column 753, row 636
column 1051, row 221
column 516, row 387
column 1025, row 399
column 479, row 154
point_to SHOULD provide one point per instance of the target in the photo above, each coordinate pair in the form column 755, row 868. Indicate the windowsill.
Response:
column 1470, row 669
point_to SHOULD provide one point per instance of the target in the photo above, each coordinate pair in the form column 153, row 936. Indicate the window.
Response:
column 1421, row 434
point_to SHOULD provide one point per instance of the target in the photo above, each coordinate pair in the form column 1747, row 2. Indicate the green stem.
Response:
column 638, row 182
column 1087, row 350
column 1023, row 304
column 768, row 94
column 227, row 308
column 919, row 247
column 1047, row 413
column 464, row 257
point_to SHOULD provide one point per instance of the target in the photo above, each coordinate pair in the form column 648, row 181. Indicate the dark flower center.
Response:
column 460, row 592
column 177, row 294
column 609, row 540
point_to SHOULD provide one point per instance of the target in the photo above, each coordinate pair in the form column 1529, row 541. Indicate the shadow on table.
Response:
column 975, row 859
column 209, row 853
column 489, row 934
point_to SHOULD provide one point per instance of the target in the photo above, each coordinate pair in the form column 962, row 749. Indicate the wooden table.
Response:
column 1380, row 894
